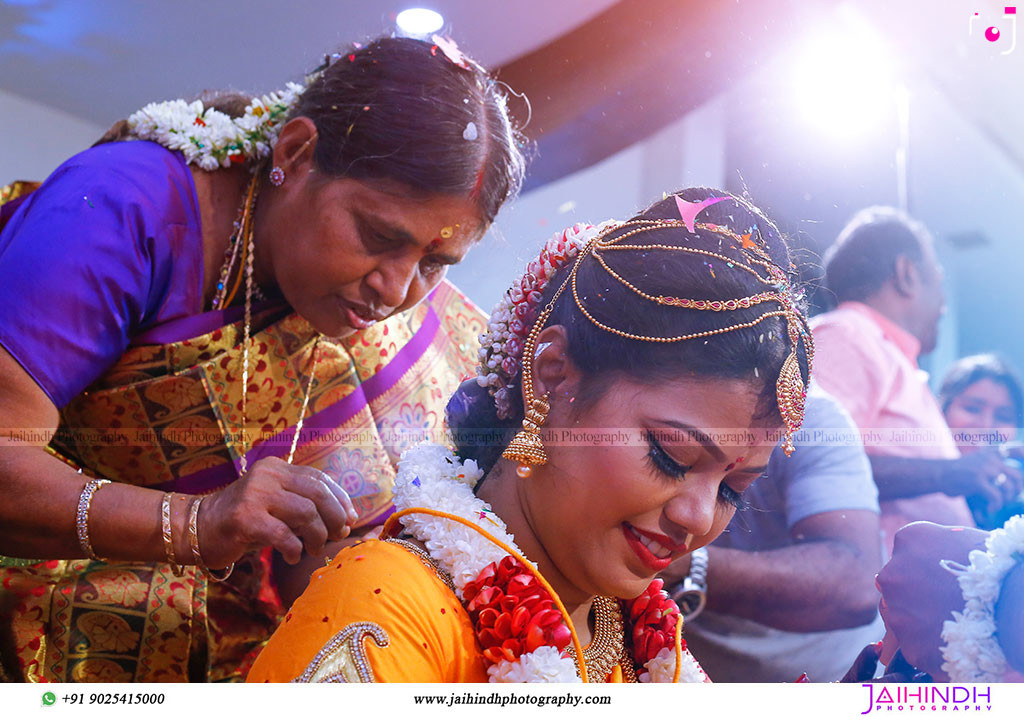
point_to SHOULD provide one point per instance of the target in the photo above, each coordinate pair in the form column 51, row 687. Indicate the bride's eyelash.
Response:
column 660, row 460
column 728, row 495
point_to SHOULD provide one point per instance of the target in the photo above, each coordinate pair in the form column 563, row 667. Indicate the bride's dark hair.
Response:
column 755, row 354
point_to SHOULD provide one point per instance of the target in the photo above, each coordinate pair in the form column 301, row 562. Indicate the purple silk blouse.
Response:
column 107, row 249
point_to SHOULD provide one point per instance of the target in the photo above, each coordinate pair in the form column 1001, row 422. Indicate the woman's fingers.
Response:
column 306, row 502
column 331, row 502
column 283, row 540
column 304, row 518
column 1010, row 482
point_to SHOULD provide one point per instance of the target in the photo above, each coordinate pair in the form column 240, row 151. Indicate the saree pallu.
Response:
column 168, row 416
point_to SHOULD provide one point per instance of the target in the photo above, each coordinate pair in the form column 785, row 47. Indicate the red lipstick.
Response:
column 649, row 559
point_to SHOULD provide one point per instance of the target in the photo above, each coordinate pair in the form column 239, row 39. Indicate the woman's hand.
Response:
column 918, row 594
column 987, row 476
column 285, row 506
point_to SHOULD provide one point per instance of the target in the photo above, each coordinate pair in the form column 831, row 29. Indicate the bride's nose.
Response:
column 693, row 507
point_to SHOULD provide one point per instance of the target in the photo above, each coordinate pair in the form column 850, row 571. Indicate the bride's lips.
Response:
column 651, row 548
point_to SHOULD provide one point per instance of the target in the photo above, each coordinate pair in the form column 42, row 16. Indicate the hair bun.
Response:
column 477, row 431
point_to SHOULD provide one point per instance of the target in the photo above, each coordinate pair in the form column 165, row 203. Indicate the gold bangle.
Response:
column 82, row 517
column 165, row 527
column 193, row 539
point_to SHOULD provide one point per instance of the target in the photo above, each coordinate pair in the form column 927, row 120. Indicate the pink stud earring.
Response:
column 277, row 176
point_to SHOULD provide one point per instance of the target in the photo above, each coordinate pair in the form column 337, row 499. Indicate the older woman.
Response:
column 164, row 303
column 650, row 365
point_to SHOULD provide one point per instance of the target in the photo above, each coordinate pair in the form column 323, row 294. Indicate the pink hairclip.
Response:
column 688, row 211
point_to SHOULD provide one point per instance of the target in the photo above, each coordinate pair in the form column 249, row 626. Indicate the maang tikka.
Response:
column 500, row 362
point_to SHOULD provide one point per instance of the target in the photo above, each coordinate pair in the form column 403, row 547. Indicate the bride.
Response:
column 632, row 385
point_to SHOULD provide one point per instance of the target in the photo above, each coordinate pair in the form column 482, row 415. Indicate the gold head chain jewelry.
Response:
column 527, row 449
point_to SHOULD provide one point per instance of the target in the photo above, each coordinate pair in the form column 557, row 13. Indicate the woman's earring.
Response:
column 277, row 176
column 527, row 448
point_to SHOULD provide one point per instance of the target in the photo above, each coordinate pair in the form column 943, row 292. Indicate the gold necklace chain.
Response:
column 248, row 269
column 238, row 245
column 607, row 647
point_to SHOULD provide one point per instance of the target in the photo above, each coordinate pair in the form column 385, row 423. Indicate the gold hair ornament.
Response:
column 790, row 388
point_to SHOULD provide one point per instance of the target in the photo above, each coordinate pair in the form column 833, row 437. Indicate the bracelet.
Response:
column 691, row 593
column 82, row 517
column 193, row 539
column 165, row 528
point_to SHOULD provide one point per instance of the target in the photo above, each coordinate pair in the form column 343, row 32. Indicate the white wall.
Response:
column 35, row 139
column 690, row 152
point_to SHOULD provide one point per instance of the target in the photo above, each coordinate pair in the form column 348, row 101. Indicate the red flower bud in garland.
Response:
column 512, row 612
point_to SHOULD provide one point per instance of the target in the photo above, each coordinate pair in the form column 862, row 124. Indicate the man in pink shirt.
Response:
column 888, row 282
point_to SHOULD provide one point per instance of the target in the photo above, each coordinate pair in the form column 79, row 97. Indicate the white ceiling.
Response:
column 101, row 60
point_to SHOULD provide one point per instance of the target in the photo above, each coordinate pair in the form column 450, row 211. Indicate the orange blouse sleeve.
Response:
column 377, row 613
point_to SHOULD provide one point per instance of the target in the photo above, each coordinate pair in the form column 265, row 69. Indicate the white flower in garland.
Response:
column 210, row 138
column 431, row 476
column 972, row 652
column 545, row 664
column 662, row 668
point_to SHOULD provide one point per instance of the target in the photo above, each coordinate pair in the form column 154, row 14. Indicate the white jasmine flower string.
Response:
column 210, row 138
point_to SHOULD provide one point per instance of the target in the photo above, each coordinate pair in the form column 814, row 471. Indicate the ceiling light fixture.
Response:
column 419, row 22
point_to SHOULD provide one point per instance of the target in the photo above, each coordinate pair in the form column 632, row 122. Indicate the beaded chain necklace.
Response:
column 242, row 249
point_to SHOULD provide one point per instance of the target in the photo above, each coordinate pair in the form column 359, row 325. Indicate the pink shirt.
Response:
column 870, row 365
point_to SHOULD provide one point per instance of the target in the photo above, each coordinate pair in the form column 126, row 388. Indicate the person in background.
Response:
column 790, row 584
column 886, row 277
column 982, row 400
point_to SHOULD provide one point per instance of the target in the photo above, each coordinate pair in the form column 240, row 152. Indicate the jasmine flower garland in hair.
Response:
column 503, row 342
column 210, row 138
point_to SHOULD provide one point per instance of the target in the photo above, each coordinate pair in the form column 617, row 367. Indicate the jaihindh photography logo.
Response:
column 927, row 698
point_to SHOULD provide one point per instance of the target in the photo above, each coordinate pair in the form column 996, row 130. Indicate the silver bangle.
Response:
column 82, row 517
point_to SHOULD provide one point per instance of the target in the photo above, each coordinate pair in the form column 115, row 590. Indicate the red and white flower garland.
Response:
column 511, row 319
column 210, row 138
column 521, row 631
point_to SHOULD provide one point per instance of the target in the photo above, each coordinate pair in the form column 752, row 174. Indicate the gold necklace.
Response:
column 226, row 289
column 607, row 646
column 249, row 233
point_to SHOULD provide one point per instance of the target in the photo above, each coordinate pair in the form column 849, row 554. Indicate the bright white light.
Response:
column 419, row 21
column 844, row 80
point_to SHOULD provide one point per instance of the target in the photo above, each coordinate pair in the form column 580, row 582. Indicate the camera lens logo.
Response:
column 995, row 34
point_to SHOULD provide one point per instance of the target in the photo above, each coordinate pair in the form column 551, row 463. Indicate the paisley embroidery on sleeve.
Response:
column 343, row 658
